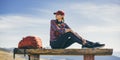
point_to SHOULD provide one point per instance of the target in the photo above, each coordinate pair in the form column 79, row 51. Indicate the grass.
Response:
column 8, row 56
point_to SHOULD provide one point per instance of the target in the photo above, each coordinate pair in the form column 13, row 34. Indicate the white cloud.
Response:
column 12, row 21
column 103, row 18
column 98, row 29
column 42, row 10
column 105, row 13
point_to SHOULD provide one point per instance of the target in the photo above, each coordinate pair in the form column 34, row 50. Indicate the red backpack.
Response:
column 30, row 42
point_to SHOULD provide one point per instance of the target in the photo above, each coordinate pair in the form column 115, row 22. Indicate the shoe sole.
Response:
column 93, row 47
column 99, row 47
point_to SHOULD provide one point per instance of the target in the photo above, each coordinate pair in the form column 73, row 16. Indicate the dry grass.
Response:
column 8, row 56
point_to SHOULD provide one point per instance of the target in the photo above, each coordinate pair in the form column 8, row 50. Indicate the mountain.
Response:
column 117, row 54
column 78, row 57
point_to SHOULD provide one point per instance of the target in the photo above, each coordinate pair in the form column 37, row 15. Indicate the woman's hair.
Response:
column 63, row 19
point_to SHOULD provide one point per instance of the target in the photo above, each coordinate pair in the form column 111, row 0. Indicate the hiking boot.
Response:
column 92, row 45
column 87, row 46
column 98, row 45
column 89, row 42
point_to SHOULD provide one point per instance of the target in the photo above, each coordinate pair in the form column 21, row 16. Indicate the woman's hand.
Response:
column 68, row 30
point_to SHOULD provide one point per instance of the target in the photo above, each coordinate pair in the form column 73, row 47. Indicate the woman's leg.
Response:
column 79, row 40
column 62, row 42
column 75, row 38
column 68, row 43
column 68, row 39
column 83, row 40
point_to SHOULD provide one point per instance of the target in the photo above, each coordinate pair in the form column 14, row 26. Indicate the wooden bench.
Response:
column 88, row 54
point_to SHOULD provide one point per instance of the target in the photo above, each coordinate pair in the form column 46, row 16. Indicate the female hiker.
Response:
column 61, row 35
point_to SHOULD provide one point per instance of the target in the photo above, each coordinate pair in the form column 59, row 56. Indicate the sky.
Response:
column 94, row 20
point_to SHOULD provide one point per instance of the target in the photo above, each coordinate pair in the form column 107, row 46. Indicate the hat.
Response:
column 59, row 12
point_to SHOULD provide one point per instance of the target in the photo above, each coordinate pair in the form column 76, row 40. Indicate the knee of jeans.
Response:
column 69, row 33
column 53, row 46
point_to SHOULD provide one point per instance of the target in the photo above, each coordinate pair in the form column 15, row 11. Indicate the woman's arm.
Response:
column 66, row 26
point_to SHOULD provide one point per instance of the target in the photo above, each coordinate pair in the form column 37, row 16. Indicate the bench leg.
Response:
column 33, row 57
column 88, row 57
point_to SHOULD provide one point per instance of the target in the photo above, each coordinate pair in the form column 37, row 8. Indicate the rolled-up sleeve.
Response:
column 66, row 26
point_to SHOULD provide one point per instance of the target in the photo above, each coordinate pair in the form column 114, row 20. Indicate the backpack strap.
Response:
column 16, row 50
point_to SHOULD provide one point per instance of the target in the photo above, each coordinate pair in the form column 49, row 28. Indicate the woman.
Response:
column 61, row 35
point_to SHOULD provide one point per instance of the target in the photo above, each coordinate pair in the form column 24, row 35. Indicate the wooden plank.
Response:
column 89, row 51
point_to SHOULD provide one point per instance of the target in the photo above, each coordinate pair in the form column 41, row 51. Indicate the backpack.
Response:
column 30, row 42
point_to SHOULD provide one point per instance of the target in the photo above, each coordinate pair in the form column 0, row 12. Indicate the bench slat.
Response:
column 90, row 51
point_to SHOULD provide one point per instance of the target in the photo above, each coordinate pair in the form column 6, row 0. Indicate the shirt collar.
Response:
column 58, row 22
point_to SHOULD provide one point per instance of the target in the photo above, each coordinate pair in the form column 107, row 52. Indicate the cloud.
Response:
column 97, row 17
column 97, row 29
column 93, row 12
column 42, row 10
column 12, row 21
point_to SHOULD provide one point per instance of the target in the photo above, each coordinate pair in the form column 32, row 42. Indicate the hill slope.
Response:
column 8, row 56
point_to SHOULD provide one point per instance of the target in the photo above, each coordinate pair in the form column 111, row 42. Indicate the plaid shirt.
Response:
column 57, row 29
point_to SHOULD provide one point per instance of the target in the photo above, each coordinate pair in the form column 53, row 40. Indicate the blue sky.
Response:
column 95, row 20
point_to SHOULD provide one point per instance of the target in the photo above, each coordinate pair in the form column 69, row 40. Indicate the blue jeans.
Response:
column 65, row 41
